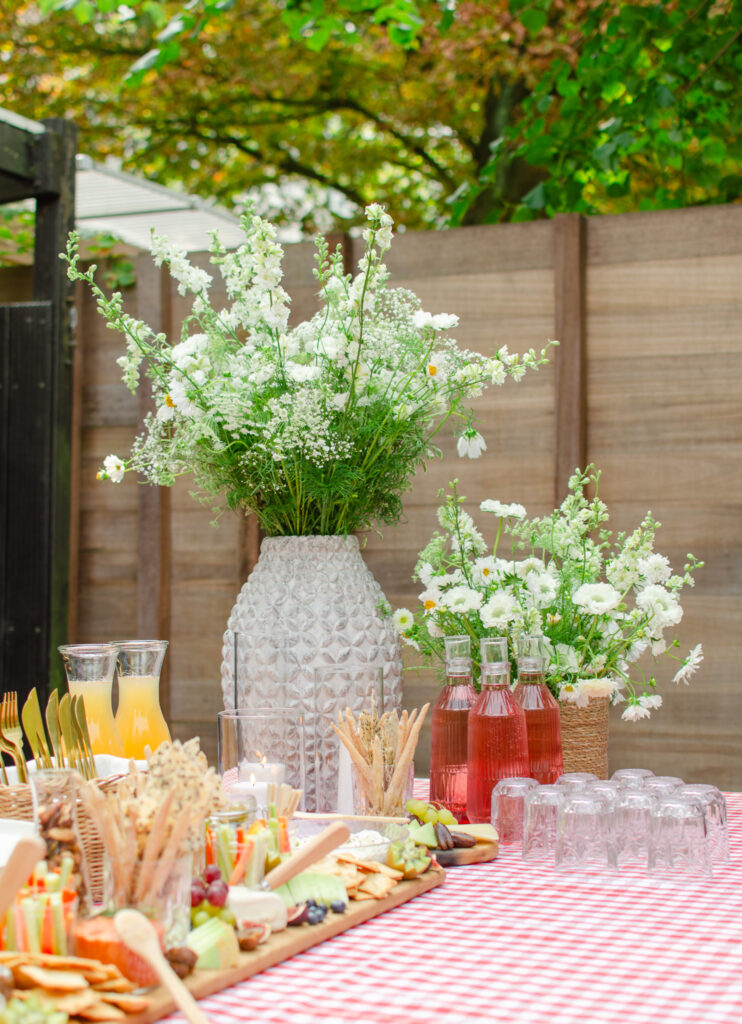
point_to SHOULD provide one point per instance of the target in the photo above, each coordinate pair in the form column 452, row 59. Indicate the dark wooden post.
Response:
column 569, row 317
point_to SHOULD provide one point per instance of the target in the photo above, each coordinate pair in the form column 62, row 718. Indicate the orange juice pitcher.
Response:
column 139, row 717
column 89, row 669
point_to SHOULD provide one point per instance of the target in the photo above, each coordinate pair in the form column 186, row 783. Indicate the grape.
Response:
column 200, row 917
column 445, row 817
column 212, row 873
column 198, row 892
column 416, row 807
column 217, row 893
column 431, row 815
column 226, row 915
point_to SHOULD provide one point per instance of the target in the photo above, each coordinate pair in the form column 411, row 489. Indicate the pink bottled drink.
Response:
column 450, row 729
column 542, row 713
column 498, row 744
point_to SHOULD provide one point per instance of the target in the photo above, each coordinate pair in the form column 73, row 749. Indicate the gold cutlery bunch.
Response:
column 68, row 740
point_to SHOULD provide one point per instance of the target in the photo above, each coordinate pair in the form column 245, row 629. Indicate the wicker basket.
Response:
column 585, row 737
column 17, row 802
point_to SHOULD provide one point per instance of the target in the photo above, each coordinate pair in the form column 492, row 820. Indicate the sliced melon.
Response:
column 424, row 834
column 215, row 944
column 312, row 885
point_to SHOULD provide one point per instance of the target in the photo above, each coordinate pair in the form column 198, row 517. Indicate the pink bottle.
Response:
column 450, row 729
column 498, row 744
column 542, row 712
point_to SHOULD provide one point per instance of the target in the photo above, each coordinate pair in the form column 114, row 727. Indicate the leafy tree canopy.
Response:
column 471, row 112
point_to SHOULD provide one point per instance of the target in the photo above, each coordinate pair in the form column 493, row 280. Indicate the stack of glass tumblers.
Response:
column 635, row 819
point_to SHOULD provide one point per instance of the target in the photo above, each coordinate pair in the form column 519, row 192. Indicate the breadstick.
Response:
column 377, row 797
column 360, row 762
column 356, row 736
column 398, row 778
column 177, row 835
column 155, row 842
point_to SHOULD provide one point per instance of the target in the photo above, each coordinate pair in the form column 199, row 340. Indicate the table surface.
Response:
column 507, row 942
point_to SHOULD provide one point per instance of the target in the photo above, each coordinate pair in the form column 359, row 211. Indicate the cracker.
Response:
column 102, row 1012
column 115, row 985
column 126, row 1001
column 73, row 1002
column 29, row 976
column 378, row 885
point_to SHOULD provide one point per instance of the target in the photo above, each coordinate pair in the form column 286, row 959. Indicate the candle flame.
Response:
column 252, row 778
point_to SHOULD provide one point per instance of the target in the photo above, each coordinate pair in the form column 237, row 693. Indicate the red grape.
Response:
column 217, row 893
column 198, row 892
column 212, row 873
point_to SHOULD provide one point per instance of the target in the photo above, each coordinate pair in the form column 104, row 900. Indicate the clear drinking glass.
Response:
column 355, row 685
column 89, row 669
column 631, row 817
column 605, row 788
column 678, row 850
column 585, row 838
column 542, row 807
column 139, row 718
column 54, row 795
column 715, row 813
column 258, row 751
column 632, row 778
column 508, row 804
column 161, row 890
column 367, row 802
column 576, row 781
column 663, row 785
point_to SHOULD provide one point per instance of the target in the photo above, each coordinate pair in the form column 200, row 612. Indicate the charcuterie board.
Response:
column 287, row 944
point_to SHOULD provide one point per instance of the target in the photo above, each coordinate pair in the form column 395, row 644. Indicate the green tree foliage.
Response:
column 481, row 111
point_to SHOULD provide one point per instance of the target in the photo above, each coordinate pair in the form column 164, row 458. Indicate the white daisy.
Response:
column 602, row 687
column 403, row 620
column 430, row 599
column 542, row 586
column 689, row 666
column 633, row 712
column 113, row 469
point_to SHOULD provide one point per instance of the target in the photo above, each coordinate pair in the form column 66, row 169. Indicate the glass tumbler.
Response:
column 542, row 807
column 585, row 834
column 54, row 795
column 631, row 817
column 508, row 803
column 576, row 781
column 632, row 778
column 89, row 669
column 715, row 813
column 678, row 849
column 663, row 785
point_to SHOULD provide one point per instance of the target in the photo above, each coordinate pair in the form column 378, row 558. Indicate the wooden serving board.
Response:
column 478, row 854
column 286, row 944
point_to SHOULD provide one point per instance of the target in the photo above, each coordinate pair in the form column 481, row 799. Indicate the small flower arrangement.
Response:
column 318, row 428
column 599, row 601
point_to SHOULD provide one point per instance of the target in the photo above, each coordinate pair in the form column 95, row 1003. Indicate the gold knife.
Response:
column 69, row 736
column 33, row 726
column 78, row 710
column 52, row 724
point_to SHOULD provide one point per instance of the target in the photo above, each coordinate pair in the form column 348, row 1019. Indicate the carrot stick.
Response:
column 241, row 865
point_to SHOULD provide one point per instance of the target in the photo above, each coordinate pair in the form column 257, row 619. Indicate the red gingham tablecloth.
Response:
column 506, row 942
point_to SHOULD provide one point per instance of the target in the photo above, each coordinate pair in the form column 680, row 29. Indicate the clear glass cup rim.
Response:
column 136, row 645
column 519, row 781
column 88, row 650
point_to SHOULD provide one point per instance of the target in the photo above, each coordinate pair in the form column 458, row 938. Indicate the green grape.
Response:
column 200, row 917
column 226, row 915
column 445, row 817
column 431, row 815
column 416, row 807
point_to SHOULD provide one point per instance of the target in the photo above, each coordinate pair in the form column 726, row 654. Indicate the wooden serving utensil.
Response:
column 139, row 935
column 27, row 852
column 330, row 837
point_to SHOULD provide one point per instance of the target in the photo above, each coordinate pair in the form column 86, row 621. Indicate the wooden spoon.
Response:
column 141, row 937
column 27, row 853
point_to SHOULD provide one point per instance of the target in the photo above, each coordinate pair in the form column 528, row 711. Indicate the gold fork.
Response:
column 11, row 736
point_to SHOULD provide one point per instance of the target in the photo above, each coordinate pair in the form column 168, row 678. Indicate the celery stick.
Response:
column 32, row 921
column 65, row 870
column 10, row 942
column 60, row 932
column 223, row 856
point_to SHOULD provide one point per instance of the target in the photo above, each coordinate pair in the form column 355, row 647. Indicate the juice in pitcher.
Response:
column 139, row 717
column 89, row 669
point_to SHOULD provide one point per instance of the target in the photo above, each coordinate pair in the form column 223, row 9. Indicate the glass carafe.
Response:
column 449, row 729
column 89, row 669
column 498, row 744
column 542, row 712
column 139, row 716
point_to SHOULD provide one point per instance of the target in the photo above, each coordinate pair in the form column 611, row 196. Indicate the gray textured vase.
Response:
column 310, row 603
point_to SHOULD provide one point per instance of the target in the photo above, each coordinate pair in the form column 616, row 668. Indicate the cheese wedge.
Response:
column 482, row 833
column 258, row 906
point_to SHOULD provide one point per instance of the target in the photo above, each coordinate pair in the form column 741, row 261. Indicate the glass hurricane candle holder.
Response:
column 260, row 749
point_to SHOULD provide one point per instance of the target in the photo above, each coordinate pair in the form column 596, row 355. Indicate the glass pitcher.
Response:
column 139, row 716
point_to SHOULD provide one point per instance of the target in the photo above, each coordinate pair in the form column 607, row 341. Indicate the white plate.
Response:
column 105, row 764
column 10, row 832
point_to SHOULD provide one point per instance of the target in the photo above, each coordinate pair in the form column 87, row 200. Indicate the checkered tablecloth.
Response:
column 505, row 942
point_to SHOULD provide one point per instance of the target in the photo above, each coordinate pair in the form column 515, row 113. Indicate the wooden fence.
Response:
column 645, row 384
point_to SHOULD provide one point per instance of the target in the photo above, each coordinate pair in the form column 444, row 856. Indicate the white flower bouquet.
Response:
column 318, row 428
column 600, row 601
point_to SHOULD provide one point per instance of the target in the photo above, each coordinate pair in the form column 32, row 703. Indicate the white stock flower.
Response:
column 529, row 565
column 542, row 586
column 661, row 606
column 633, row 712
column 602, row 687
column 567, row 658
column 596, row 598
column 403, row 620
column 471, row 444
column 654, row 568
column 499, row 508
column 461, row 600
column 425, row 573
column 499, row 611
column 651, row 701
column 114, row 468
column 689, row 666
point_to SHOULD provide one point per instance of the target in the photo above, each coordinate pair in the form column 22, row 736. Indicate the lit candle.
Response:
column 256, row 776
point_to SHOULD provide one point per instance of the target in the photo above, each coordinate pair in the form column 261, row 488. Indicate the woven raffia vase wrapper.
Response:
column 585, row 737
column 16, row 802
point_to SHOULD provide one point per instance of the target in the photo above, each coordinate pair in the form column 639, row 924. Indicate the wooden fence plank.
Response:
column 570, row 398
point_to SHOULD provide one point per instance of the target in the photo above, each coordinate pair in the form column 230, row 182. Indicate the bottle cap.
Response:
column 531, row 654
column 458, row 655
column 494, row 656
